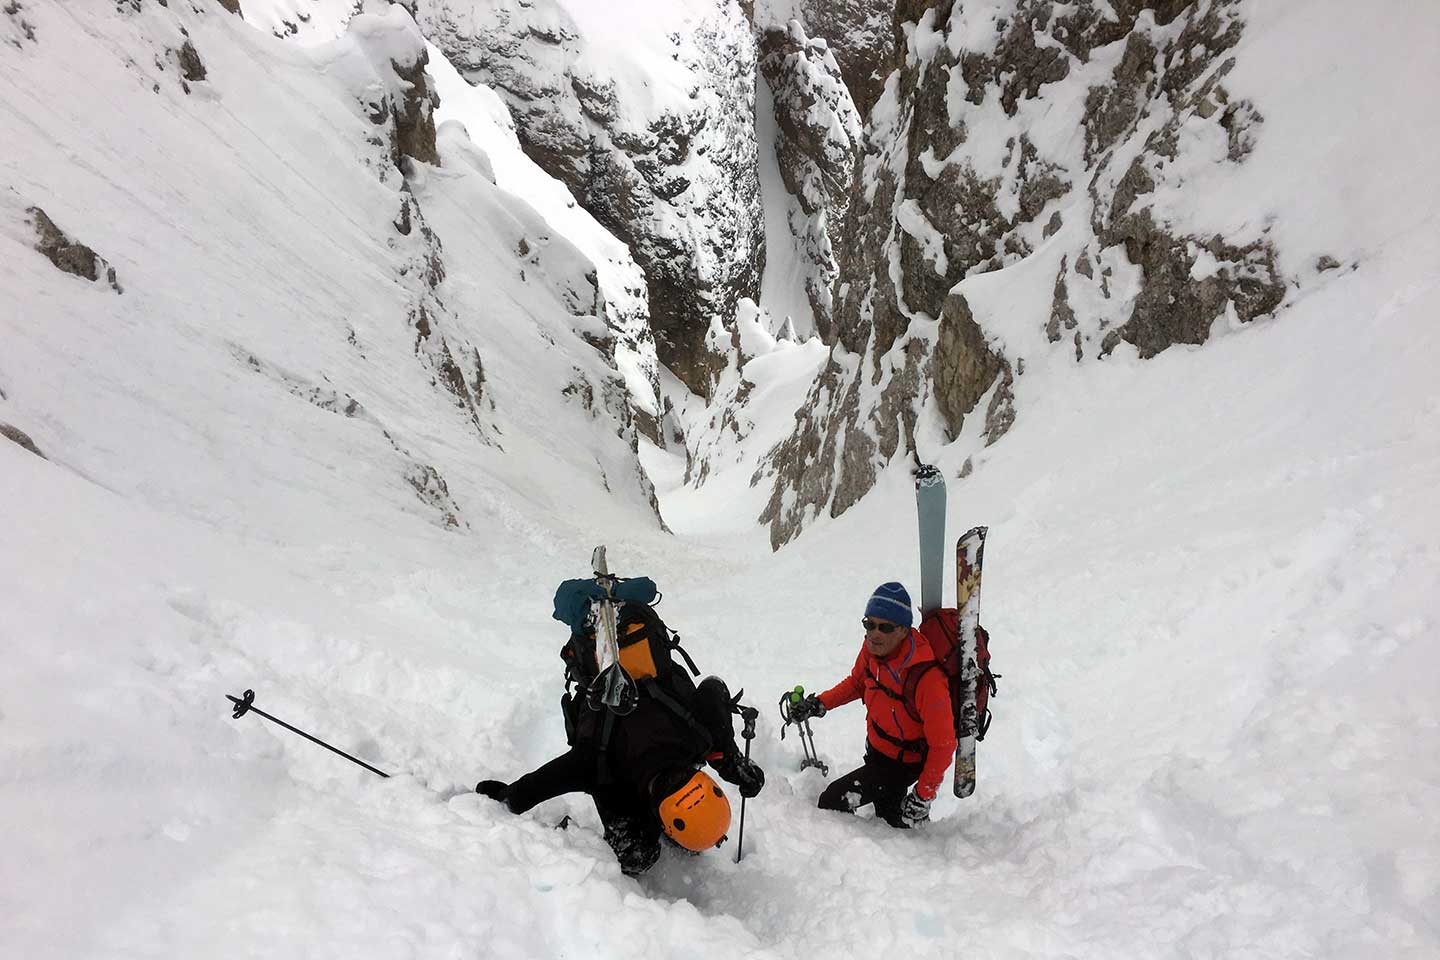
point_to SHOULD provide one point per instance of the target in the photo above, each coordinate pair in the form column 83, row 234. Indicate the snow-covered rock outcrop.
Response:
column 652, row 131
column 287, row 221
column 817, row 133
column 1029, row 184
column 858, row 33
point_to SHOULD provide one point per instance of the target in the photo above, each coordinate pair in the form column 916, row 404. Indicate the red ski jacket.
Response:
column 881, row 684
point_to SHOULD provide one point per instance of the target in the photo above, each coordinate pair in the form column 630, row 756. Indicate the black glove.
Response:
column 809, row 708
column 740, row 770
column 494, row 789
column 914, row 811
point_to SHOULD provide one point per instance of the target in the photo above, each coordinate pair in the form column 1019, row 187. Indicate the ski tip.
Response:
column 926, row 475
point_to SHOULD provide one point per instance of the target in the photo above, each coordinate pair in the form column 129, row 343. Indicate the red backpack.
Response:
column 942, row 629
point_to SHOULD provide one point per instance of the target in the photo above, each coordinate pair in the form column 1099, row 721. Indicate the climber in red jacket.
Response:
column 911, row 730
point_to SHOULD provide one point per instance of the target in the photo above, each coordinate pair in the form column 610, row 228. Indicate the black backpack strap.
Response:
column 673, row 705
column 673, row 641
column 918, row 747
column 887, row 691
column 912, row 683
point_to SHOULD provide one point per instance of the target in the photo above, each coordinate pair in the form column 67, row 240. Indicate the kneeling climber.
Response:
column 910, row 737
column 640, row 759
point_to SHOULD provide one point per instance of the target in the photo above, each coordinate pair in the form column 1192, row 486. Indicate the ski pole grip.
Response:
column 749, row 715
column 242, row 704
column 797, row 694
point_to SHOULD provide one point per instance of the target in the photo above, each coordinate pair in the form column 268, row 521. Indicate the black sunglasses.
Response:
column 880, row 625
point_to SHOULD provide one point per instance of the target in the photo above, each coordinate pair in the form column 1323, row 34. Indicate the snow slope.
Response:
column 1210, row 583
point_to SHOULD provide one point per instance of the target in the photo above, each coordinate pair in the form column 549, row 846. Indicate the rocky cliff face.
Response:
column 669, row 167
column 858, row 33
column 818, row 133
column 1020, row 138
column 401, row 108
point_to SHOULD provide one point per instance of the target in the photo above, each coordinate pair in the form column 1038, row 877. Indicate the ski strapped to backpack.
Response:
column 961, row 646
column 975, row 681
column 941, row 628
column 643, row 650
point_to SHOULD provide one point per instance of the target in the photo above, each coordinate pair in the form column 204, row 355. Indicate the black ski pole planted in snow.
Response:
column 749, row 714
column 246, row 704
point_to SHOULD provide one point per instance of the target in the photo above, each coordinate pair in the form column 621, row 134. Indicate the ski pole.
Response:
column 807, row 736
column 246, row 704
column 749, row 714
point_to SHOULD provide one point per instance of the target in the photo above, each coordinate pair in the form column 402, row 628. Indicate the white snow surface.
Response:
column 487, row 124
column 1210, row 578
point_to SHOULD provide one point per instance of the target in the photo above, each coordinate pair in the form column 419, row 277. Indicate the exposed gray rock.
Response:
column 819, row 133
column 21, row 29
column 324, row 396
column 68, row 255
column 858, row 34
column 965, row 365
column 1000, row 415
column 928, row 212
column 808, row 458
column 1112, row 110
column 19, row 436
column 432, row 490
column 1040, row 182
column 1018, row 67
column 648, row 426
column 192, row 68
column 1062, row 317
column 1239, row 120
column 730, row 422
column 1173, row 306
column 414, row 116
column 927, row 223
column 609, row 401
column 679, row 185
column 422, row 273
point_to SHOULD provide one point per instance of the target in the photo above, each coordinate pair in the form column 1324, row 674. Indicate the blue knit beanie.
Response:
column 890, row 602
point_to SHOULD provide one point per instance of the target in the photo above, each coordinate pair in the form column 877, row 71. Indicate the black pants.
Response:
column 621, row 797
column 631, row 827
column 880, row 780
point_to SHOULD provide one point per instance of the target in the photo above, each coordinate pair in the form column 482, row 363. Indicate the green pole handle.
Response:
column 797, row 694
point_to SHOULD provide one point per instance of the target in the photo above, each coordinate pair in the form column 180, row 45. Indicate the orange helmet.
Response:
column 696, row 814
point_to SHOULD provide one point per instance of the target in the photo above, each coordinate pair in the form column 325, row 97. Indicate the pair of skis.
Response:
column 969, row 557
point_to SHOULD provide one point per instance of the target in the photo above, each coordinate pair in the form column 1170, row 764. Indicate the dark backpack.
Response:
column 647, row 654
column 647, row 648
column 942, row 629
